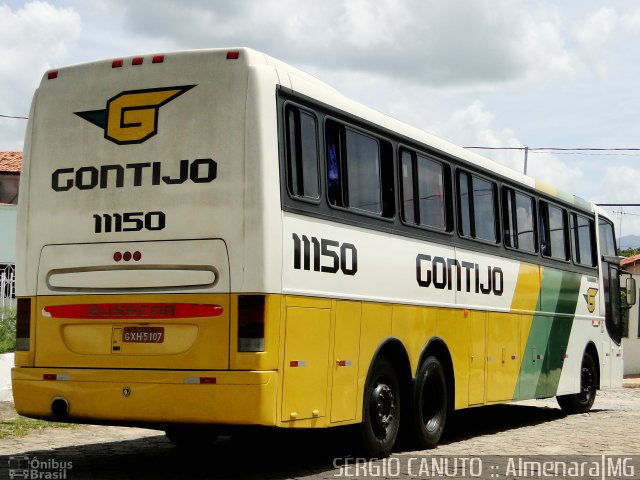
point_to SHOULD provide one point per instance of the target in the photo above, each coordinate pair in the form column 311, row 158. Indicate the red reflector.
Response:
column 207, row 379
column 49, row 376
column 137, row 256
column 133, row 310
column 52, row 74
column 116, row 64
column 126, row 256
column 137, row 61
column 342, row 363
column 158, row 59
column 293, row 363
column 117, row 256
column 233, row 55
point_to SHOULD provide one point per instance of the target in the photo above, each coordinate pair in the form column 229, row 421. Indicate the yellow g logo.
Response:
column 590, row 297
column 132, row 116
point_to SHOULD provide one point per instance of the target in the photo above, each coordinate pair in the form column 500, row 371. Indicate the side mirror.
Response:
column 631, row 291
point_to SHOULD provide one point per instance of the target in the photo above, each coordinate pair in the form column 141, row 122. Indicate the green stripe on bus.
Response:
column 549, row 335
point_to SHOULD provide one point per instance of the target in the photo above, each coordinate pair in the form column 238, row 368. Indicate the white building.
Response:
column 10, row 164
column 631, row 344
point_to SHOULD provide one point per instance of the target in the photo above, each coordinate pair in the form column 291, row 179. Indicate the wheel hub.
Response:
column 383, row 406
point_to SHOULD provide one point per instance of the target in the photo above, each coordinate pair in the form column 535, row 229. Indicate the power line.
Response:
column 560, row 149
column 14, row 117
column 618, row 204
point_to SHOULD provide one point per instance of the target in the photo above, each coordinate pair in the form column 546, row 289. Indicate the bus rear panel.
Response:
column 135, row 199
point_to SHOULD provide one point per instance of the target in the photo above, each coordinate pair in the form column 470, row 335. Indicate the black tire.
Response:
column 430, row 404
column 583, row 401
column 191, row 438
column 381, row 411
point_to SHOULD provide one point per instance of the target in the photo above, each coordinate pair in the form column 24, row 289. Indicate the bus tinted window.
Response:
column 464, row 202
column 431, row 193
column 553, row 232
column 363, row 172
column 519, row 220
column 359, row 171
column 302, row 154
column 408, row 204
column 582, row 240
column 424, row 179
column 607, row 242
column 477, row 207
column 484, row 209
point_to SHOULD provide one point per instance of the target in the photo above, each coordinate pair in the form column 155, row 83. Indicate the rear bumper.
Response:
column 148, row 397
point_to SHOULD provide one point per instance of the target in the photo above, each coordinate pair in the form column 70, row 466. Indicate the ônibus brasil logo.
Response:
column 132, row 116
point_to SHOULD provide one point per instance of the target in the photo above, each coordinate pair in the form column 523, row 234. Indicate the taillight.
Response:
column 251, row 323
column 23, row 324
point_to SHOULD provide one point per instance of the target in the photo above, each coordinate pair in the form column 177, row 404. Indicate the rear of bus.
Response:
column 148, row 189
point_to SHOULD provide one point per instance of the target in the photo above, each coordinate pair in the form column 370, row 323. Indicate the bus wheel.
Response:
column 429, row 403
column 581, row 402
column 381, row 413
column 185, row 437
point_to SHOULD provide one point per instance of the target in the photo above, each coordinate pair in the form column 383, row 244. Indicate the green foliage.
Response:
column 21, row 426
column 7, row 330
column 629, row 252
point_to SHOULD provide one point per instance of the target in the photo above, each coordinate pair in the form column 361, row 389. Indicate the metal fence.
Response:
column 7, row 286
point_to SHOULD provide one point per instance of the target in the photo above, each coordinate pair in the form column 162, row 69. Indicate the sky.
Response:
column 491, row 73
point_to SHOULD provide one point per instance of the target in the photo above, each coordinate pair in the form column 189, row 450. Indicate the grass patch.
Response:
column 7, row 330
column 20, row 426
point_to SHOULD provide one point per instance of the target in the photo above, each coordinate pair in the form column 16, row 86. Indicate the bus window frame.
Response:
column 449, row 204
column 287, row 164
column 567, row 230
column 496, row 208
column 511, row 191
column 384, row 143
column 575, row 254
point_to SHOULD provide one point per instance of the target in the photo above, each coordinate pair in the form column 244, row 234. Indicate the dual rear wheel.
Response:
column 383, row 405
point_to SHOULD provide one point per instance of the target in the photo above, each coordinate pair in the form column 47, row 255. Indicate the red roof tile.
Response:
column 629, row 260
column 10, row 162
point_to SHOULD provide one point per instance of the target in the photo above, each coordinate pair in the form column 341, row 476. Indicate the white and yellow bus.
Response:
column 212, row 239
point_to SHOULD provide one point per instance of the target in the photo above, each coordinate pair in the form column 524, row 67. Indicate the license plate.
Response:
column 143, row 335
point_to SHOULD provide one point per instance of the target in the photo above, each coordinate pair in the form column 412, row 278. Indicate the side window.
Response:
column 477, row 201
column 519, row 220
column 607, row 239
column 356, row 166
column 425, row 191
column 302, row 154
column 582, row 240
column 553, row 232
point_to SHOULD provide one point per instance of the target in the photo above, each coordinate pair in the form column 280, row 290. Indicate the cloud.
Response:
column 473, row 126
column 467, row 44
column 593, row 35
column 31, row 38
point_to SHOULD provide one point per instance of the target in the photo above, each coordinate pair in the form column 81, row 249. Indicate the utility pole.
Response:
column 526, row 156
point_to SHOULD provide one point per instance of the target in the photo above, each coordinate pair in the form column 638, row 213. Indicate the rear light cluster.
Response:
column 23, row 324
column 127, row 256
column 118, row 63
column 251, row 323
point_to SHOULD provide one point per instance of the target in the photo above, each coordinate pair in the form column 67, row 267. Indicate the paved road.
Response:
column 527, row 428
